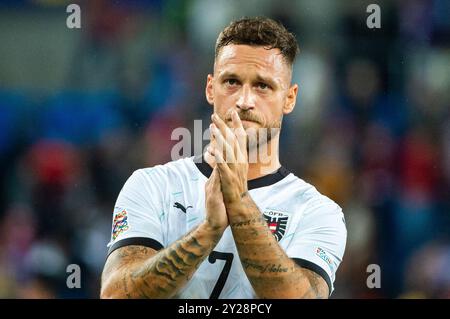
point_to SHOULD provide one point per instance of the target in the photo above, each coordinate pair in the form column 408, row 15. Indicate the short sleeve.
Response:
column 319, row 240
column 136, row 217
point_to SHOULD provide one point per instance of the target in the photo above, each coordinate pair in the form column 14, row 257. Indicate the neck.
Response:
column 259, row 165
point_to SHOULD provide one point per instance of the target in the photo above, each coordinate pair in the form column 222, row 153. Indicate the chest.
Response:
column 185, row 209
column 221, row 274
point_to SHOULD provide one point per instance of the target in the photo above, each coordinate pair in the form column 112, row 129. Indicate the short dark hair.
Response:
column 259, row 31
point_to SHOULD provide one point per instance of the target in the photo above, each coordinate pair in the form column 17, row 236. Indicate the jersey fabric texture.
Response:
column 159, row 205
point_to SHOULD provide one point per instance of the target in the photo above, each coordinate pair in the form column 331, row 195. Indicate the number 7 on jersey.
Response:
column 228, row 257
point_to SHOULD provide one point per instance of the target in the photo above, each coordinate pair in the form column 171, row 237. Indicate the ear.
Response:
column 209, row 89
column 291, row 99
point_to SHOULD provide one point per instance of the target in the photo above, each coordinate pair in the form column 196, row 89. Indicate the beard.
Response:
column 260, row 135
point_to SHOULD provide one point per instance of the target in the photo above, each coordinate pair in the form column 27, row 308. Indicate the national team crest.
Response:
column 277, row 222
column 120, row 224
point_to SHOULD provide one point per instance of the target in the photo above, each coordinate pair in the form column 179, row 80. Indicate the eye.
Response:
column 231, row 82
column 263, row 86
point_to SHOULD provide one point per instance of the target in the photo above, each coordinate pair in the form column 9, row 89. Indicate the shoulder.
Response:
column 164, row 173
column 145, row 183
column 310, row 200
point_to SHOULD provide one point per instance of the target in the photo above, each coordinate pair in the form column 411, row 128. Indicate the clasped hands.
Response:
column 226, row 188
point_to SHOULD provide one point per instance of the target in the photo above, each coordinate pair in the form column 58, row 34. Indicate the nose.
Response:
column 246, row 100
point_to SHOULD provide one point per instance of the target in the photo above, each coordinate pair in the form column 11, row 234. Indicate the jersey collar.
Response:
column 262, row 181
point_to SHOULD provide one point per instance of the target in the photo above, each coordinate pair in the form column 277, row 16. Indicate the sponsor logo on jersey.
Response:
column 181, row 207
column 323, row 255
column 120, row 223
column 277, row 222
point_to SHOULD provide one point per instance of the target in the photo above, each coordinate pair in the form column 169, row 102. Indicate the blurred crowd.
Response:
column 80, row 110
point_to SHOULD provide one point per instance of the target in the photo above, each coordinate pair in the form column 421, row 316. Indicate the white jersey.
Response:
column 159, row 205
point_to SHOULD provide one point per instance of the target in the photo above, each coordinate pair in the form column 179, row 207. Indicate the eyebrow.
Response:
column 259, row 78
column 267, row 80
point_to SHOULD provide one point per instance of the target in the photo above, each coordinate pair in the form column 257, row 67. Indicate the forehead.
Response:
column 245, row 57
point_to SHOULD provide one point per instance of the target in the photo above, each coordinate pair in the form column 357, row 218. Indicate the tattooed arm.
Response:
column 141, row 272
column 271, row 272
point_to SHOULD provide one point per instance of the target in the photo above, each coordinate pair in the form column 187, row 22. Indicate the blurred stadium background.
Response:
column 81, row 109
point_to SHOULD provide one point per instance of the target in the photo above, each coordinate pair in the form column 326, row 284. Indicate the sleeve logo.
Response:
column 323, row 255
column 120, row 224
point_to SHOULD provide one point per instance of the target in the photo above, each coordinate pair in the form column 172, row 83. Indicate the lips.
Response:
column 247, row 119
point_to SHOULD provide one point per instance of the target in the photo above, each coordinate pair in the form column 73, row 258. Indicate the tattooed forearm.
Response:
column 171, row 268
column 244, row 194
column 267, row 268
column 256, row 220
column 141, row 272
column 271, row 272
column 318, row 289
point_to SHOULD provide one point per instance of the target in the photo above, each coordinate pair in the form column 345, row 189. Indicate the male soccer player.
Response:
column 225, row 227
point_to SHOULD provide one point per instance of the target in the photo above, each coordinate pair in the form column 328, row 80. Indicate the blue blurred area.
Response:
column 80, row 110
column 79, row 118
column 11, row 107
